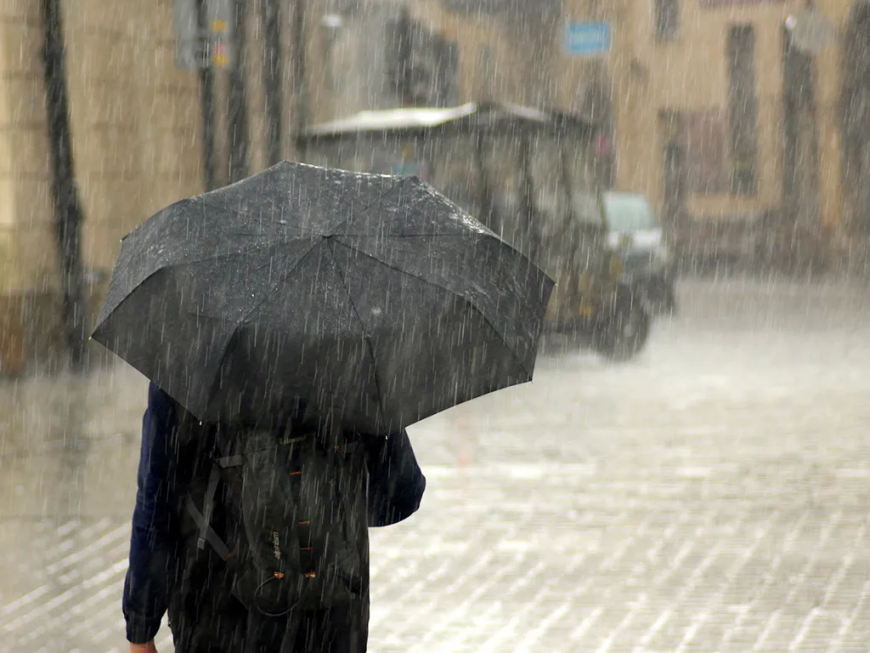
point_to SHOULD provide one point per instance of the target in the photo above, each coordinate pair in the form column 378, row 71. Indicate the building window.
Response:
column 706, row 152
column 743, row 110
column 422, row 67
column 696, row 153
column 667, row 19
column 486, row 87
column 447, row 61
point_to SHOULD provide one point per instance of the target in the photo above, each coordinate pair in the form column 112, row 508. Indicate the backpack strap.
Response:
column 203, row 519
column 206, row 532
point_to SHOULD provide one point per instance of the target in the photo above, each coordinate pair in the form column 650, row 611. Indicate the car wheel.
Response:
column 626, row 331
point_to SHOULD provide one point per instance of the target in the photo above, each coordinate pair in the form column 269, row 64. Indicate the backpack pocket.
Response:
column 300, row 516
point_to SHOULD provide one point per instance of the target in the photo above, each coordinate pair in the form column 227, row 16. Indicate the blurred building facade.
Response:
column 138, row 131
column 134, row 126
column 745, row 121
column 700, row 104
column 751, row 137
column 733, row 130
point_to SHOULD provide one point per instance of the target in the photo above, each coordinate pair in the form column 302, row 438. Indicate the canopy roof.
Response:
column 423, row 119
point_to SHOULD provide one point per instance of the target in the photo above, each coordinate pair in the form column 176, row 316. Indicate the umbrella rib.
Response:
column 215, row 257
column 220, row 360
column 356, row 214
column 406, row 181
column 427, row 281
column 369, row 348
column 172, row 266
column 280, row 281
column 465, row 234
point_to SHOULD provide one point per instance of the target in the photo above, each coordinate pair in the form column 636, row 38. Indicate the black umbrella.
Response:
column 373, row 298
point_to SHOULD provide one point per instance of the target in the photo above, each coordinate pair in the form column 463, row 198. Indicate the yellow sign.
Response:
column 219, row 56
column 218, row 26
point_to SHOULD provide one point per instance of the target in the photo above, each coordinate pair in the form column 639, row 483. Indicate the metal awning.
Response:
column 424, row 119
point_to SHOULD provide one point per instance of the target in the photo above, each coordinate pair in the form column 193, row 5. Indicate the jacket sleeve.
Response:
column 396, row 483
column 145, row 587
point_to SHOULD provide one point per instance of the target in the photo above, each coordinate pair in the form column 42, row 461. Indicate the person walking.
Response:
column 194, row 560
column 293, row 325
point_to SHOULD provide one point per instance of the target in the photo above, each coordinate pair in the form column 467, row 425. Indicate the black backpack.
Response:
column 291, row 527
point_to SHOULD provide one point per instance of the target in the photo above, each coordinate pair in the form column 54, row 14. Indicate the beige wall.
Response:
column 135, row 141
column 828, row 88
column 23, row 154
column 472, row 33
column 691, row 73
column 134, row 124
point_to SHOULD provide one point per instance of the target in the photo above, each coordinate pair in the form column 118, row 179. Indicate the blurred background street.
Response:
column 711, row 495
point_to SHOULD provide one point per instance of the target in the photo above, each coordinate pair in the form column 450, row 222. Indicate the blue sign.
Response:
column 587, row 39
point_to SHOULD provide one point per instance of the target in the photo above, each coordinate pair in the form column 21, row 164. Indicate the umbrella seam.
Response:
column 465, row 234
column 403, row 182
column 273, row 245
column 207, row 199
column 165, row 209
column 356, row 214
column 369, row 348
column 468, row 301
column 248, row 314
column 172, row 266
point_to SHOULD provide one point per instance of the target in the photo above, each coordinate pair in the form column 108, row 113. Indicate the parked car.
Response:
column 635, row 234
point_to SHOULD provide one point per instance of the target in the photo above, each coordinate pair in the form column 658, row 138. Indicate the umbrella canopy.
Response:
column 373, row 298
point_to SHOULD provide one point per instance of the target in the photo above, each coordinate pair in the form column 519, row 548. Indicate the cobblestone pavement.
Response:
column 711, row 496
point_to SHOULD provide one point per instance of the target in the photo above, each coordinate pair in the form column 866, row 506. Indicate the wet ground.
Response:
column 713, row 495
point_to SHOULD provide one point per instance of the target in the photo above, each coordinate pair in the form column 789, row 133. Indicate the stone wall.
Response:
column 135, row 141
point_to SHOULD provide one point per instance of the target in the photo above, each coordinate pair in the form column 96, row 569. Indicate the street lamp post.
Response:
column 300, row 88
column 237, row 122
column 67, row 207
column 270, row 13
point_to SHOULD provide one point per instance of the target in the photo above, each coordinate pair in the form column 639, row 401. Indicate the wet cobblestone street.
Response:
column 713, row 495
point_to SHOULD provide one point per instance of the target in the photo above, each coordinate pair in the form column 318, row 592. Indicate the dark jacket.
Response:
column 167, row 465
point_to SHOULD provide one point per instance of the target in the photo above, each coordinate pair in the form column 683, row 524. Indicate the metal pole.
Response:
column 270, row 12
column 485, row 196
column 406, row 53
column 531, row 228
column 207, row 108
column 300, row 88
column 67, row 208
column 238, row 112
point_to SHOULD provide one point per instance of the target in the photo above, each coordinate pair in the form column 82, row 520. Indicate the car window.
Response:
column 626, row 213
